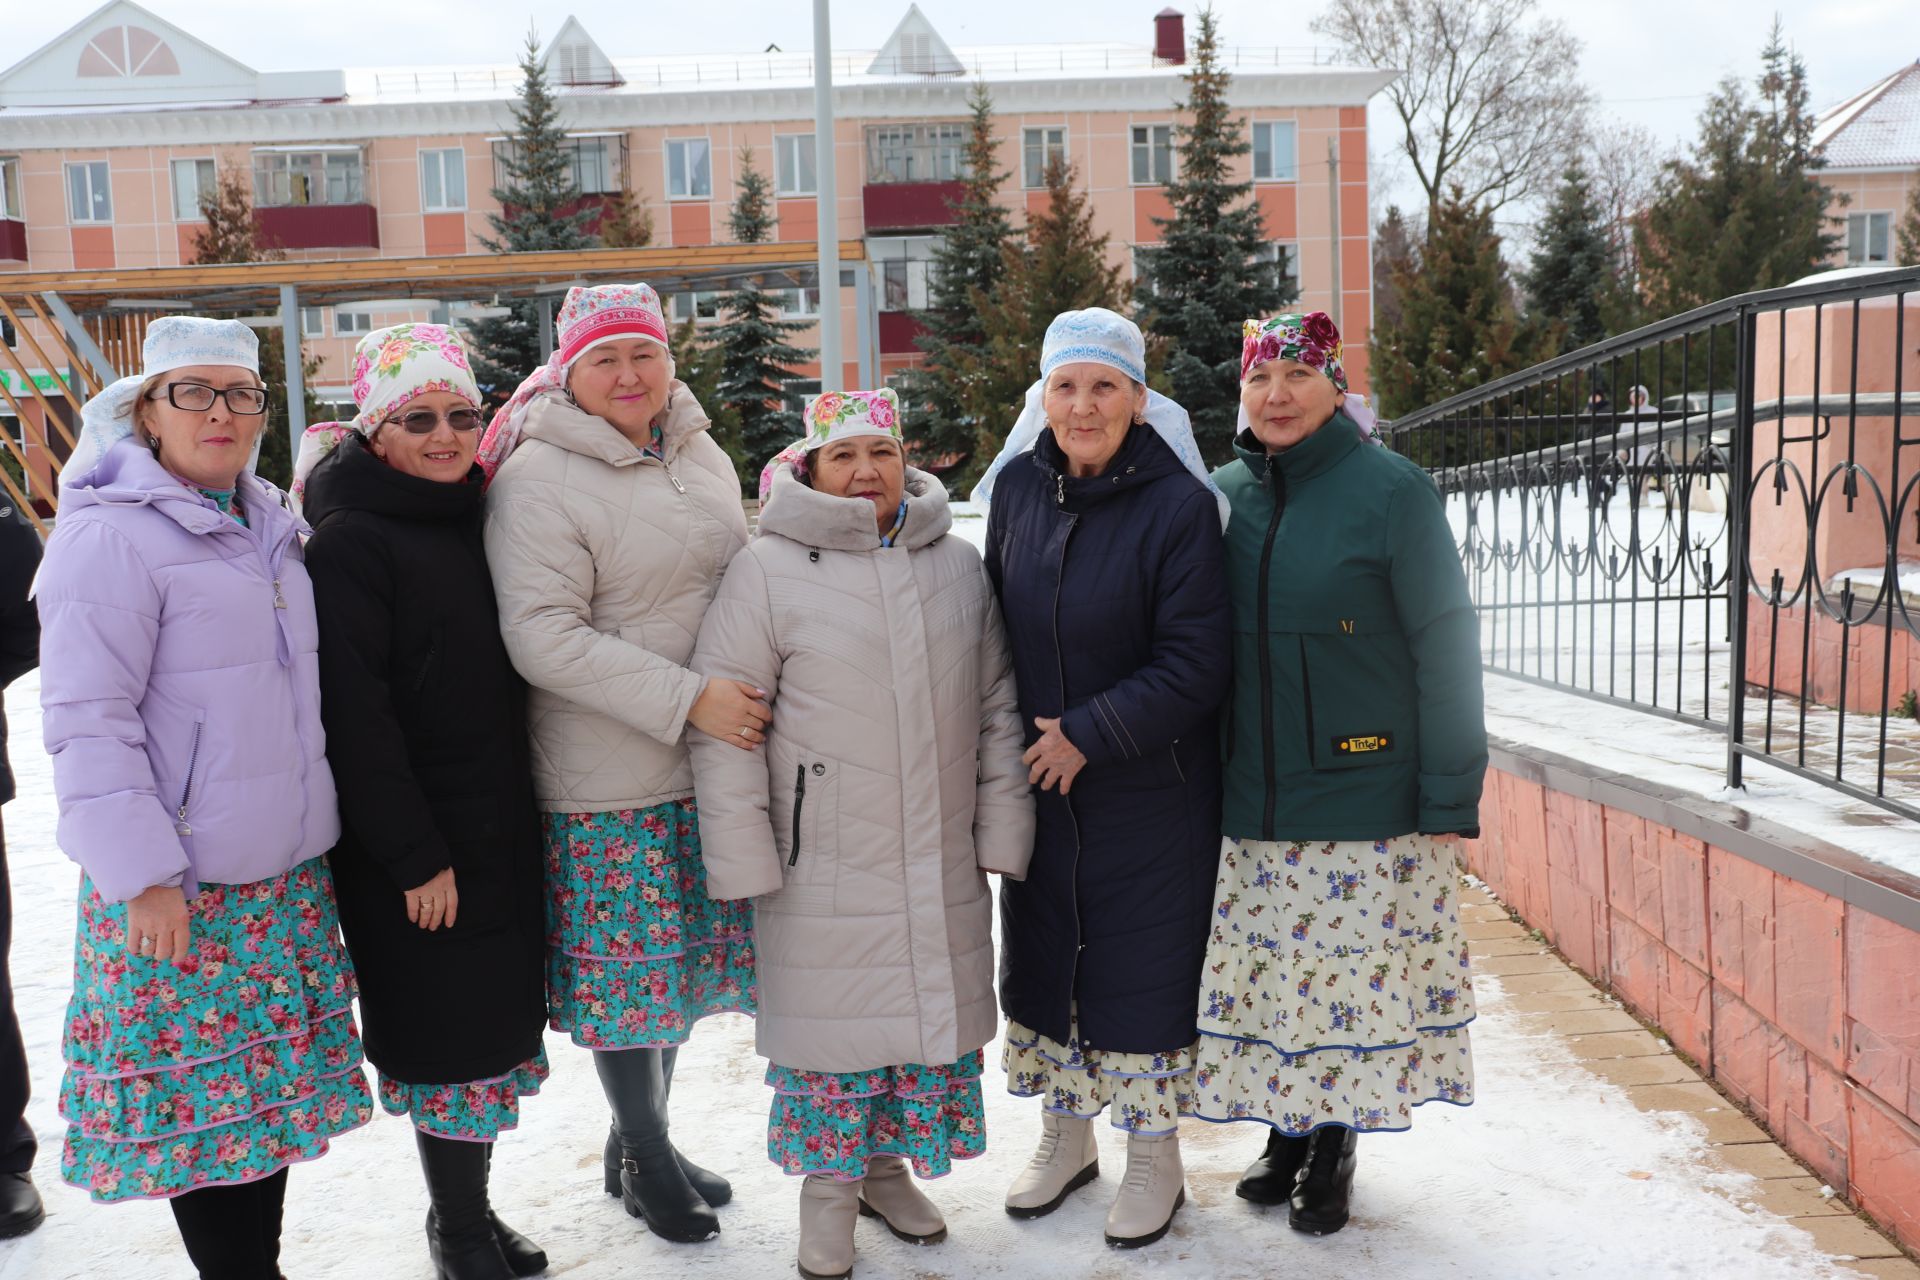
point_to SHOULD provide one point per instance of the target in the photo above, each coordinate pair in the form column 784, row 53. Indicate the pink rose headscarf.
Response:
column 1313, row 340
column 836, row 415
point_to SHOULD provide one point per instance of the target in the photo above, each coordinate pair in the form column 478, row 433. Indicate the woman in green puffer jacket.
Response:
column 1336, row 993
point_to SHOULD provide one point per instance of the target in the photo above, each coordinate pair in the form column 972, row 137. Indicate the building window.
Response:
column 443, row 180
column 798, row 302
column 1152, row 154
column 1282, row 257
column 793, row 165
column 1867, row 237
column 1038, row 149
column 903, row 270
column 10, row 206
column 193, row 181
column 282, row 178
column 916, row 152
column 313, row 322
column 598, row 163
column 87, row 196
column 689, row 169
column 1275, row 155
column 351, row 324
column 701, row 307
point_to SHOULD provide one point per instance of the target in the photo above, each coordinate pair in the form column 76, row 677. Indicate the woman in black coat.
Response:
column 1104, row 543
column 439, row 867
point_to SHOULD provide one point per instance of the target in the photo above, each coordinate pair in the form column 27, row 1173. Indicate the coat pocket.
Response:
column 1357, row 695
column 182, row 824
column 804, row 808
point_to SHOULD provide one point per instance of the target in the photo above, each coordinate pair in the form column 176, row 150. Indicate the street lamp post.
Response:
column 831, row 368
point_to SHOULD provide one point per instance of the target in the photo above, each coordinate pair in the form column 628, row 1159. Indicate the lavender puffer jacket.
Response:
column 180, row 686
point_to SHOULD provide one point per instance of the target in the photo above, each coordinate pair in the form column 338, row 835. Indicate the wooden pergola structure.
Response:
column 87, row 327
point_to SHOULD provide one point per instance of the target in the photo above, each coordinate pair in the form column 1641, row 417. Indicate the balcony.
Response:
column 320, row 226
column 13, row 240
column 910, row 206
column 898, row 329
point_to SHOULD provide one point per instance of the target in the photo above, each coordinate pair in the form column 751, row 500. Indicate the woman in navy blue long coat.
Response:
column 1104, row 544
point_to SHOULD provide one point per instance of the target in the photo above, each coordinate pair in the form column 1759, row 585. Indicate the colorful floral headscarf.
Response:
column 1313, row 340
column 836, row 415
column 588, row 318
column 390, row 367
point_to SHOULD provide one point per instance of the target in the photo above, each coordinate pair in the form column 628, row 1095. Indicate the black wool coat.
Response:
column 427, row 738
column 19, row 620
column 1114, row 592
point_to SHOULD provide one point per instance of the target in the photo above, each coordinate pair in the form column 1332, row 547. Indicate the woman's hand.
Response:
column 434, row 903
column 157, row 924
column 1052, row 759
column 732, row 712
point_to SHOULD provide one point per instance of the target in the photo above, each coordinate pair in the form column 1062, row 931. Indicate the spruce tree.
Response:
column 233, row 234
column 1572, row 271
column 1210, row 271
column 537, row 212
column 1062, row 266
column 626, row 222
column 757, row 357
column 1907, row 239
column 696, row 362
column 1456, row 329
column 1745, row 210
column 970, row 257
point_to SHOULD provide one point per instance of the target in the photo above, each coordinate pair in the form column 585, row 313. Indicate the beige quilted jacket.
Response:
column 890, row 782
column 604, row 561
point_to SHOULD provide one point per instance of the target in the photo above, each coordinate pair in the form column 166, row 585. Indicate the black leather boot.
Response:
column 1270, row 1179
column 713, row 1188
column 20, row 1207
column 652, row 1185
column 524, row 1256
column 1320, row 1201
column 460, row 1235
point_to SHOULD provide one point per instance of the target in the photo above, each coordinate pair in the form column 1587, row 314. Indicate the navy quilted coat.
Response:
column 1114, row 592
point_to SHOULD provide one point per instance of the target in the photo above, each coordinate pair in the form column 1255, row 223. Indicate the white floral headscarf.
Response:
column 836, row 415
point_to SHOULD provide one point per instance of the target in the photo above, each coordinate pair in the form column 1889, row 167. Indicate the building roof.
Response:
column 1875, row 129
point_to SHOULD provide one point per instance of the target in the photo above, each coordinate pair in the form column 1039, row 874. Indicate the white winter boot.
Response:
column 1155, row 1186
column 1066, row 1160
column 889, row 1194
column 828, row 1210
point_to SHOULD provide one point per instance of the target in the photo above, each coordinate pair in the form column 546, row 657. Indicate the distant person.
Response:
column 20, row 1208
column 210, row 1041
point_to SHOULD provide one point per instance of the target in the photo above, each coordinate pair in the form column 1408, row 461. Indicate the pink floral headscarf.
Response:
column 390, row 367
column 836, row 415
column 1313, row 340
column 588, row 318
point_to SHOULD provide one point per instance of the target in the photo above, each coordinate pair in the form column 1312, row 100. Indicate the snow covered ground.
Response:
column 1552, row 1173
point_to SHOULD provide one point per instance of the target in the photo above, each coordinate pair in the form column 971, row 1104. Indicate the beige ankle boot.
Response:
column 1066, row 1160
column 828, row 1210
column 1155, row 1185
column 889, row 1194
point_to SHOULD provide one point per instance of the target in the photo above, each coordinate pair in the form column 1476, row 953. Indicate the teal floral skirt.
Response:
column 1337, row 989
column 227, row 1068
column 636, row 950
column 832, row 1123
column 477, row 1111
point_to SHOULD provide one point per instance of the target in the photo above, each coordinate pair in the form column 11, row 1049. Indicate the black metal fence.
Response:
column 1715, row 519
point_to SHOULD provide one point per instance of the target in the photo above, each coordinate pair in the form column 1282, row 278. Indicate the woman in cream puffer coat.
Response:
column 890, row 784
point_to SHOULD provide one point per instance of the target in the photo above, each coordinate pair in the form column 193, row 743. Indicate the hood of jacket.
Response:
column 353, row 478
column 797, row 511
column 556, row 419
column 128, row 475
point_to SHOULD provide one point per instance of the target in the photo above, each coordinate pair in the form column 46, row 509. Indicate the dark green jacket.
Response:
column 1356, row 706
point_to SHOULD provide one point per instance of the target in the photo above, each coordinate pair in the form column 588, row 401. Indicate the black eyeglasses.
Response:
column 198, row 397
column 423, row 421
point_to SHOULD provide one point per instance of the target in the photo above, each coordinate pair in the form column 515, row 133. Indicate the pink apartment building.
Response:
column 1871, row 143
column 110, row 132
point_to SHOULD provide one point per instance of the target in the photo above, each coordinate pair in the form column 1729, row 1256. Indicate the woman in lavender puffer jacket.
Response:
column 210, row 1041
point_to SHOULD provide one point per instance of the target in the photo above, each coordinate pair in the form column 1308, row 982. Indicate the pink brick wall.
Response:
column 1800, row 1005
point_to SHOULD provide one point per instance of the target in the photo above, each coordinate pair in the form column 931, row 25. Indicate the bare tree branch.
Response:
column 1489, row 97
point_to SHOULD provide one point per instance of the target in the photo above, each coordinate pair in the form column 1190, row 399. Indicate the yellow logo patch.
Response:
column 1362, row 744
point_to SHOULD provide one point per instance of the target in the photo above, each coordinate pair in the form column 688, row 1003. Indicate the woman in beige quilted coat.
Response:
column 890, row 784
column 610, row 517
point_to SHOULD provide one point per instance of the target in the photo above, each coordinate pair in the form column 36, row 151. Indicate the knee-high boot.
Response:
column 460, row 1235
column 652, row 1185
column 713, row 1188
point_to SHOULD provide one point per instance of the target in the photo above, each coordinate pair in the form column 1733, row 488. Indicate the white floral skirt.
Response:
column 1336, row 989
column 1143, row 1093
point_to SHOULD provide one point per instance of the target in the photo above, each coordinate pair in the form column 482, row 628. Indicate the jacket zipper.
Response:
column 1277, row 485
column 180, row 824
column 1073, row 522
column 799, row 803
column 1306, row 697
column 426, row 668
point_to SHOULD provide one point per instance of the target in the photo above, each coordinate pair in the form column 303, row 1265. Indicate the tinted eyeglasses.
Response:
column 198, row 397
column 423, row 421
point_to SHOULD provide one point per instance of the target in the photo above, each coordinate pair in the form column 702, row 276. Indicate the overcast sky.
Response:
column 1651, row 61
